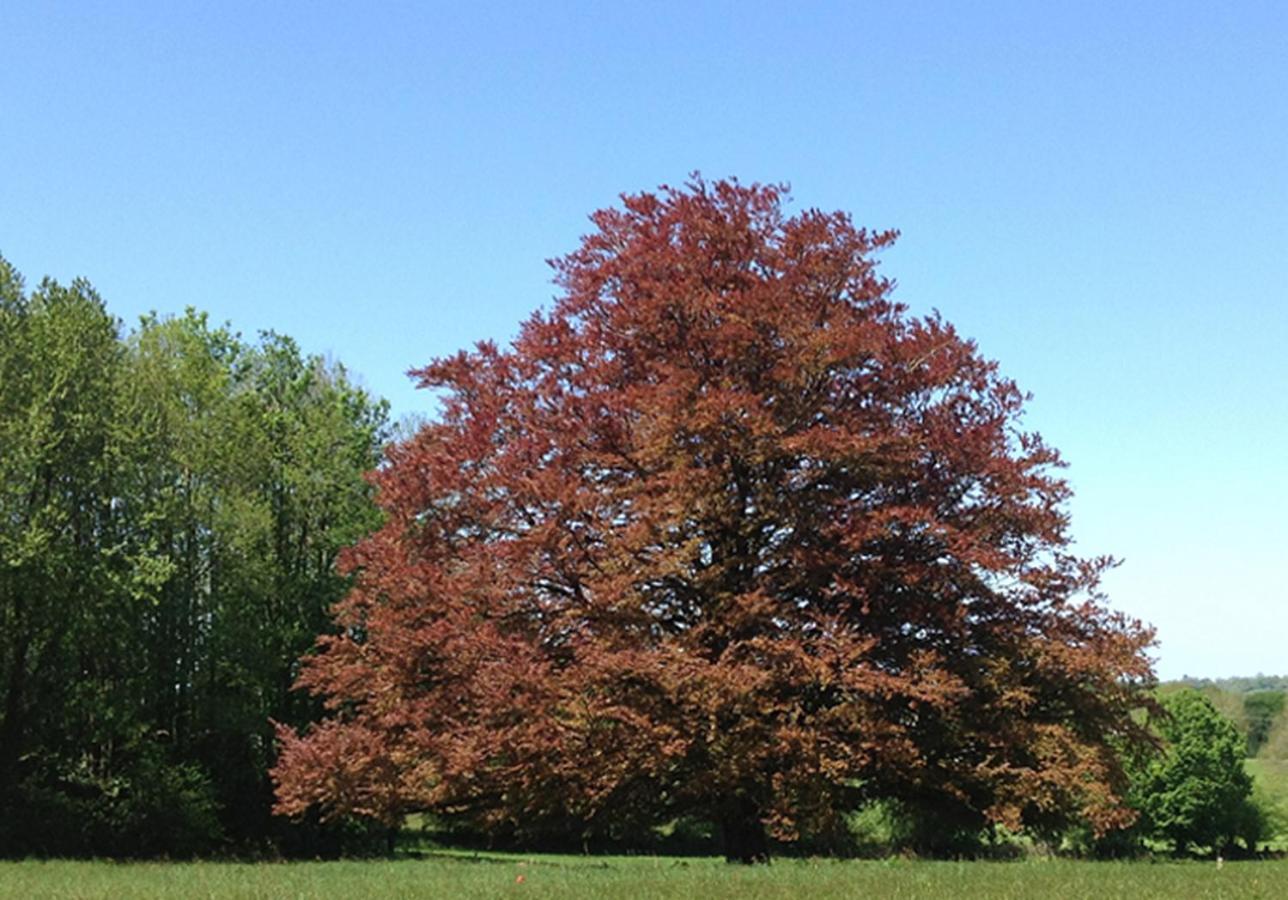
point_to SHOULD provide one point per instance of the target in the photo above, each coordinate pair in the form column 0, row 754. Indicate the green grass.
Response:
column 1270, row 776
column 462, row 877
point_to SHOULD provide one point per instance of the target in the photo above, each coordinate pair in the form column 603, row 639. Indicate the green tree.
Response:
column 303, row 437
column 58, row 357
column 70, row 732
column 171, row 506
column 249, row 464
column 1195, row 792
column 1262, row 709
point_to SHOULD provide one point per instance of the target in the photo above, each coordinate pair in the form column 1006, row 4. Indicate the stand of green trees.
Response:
column 172, row 500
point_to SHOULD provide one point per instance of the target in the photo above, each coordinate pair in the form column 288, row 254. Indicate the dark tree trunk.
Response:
column 743, row 833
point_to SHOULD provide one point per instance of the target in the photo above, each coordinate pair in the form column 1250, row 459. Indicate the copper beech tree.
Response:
column 727, row 533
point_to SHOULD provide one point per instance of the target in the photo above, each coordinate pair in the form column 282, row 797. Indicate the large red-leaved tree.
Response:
column 726, row 533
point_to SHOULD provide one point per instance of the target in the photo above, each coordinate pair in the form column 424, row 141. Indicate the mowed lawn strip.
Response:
column 461, row 878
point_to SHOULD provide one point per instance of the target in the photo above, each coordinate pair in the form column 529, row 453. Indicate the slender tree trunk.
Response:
column 743, row 833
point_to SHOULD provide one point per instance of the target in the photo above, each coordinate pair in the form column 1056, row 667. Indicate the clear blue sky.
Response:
column 1098, row 193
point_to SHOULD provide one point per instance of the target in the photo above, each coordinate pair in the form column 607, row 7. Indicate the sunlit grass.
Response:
column 464, row 876
column 1271, row 779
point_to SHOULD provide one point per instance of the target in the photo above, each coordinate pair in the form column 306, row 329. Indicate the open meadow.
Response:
column 500, row 875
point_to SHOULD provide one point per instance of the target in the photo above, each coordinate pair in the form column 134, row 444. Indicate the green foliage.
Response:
column 1239, row 684
column 1227, row 702
column 1195, row 792
column 878, row 829
column 62, row 638
column 887, row 827
column 172, row 502
column 1276, row 743
column 1255, row 705
column 248, row 481
column 1263, row 710
column 139, row 804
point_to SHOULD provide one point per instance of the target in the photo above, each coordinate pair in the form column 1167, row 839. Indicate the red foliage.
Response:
column 727, row 532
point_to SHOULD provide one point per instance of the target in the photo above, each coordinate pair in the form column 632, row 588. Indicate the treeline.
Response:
column 172, row 501
column 1238, row 684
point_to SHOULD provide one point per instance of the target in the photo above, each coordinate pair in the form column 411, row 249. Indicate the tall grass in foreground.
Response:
column 493, row 876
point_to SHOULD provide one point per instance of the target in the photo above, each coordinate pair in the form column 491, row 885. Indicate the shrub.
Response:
column 144, row 806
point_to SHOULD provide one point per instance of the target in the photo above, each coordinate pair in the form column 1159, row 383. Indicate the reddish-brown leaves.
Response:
column 725, row 530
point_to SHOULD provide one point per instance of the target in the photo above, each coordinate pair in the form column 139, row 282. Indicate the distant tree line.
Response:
column 1239, row 684
column 172, row 499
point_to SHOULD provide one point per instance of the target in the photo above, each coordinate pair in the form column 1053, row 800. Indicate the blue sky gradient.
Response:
column 1096, row 192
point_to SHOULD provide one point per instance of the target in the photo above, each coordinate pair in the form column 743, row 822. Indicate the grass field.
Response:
column 501, row 876
column 462, row 875
column 1272, row 775
column 1271, row 779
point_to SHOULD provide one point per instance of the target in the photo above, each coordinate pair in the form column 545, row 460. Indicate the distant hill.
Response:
column 1238, row 684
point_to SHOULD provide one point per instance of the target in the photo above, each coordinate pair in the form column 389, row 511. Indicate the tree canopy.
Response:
column 728, row 533
column 171, row 503
column 1196, row 791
